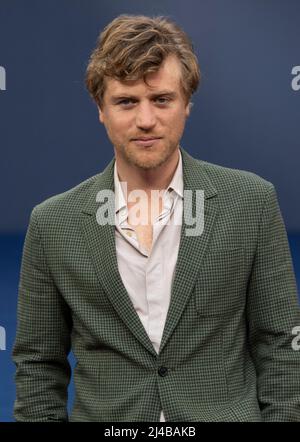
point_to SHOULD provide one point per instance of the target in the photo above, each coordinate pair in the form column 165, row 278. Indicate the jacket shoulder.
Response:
column 65, row 203
column 235, row 180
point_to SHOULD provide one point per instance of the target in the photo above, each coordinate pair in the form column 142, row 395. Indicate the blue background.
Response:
column 246, row 114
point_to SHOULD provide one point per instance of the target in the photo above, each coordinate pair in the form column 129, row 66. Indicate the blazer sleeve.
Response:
column 42, row 341
column 273, row 312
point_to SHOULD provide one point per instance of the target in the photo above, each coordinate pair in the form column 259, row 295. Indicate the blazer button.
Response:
column 162, row 371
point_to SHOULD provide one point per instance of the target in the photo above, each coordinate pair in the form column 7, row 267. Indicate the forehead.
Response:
column 168, row 77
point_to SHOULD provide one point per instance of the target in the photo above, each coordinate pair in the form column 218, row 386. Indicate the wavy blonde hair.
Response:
column 132, row 46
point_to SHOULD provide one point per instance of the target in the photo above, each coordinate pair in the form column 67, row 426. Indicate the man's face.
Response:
column 143, row 121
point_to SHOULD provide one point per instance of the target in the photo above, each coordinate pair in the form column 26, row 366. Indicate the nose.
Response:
column 145, row 117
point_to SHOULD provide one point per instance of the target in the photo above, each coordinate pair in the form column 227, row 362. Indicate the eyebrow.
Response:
column 171, row 94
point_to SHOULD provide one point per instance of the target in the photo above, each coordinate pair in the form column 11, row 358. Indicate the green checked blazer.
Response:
column 227, row 342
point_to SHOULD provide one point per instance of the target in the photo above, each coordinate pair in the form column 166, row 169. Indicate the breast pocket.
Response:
column 220, row 288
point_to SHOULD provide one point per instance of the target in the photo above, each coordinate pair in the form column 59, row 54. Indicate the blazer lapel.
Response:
column 192, row 248
column 100, row 240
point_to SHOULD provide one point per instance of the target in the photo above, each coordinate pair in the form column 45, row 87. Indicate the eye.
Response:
column 126, row 102
column 162, row 100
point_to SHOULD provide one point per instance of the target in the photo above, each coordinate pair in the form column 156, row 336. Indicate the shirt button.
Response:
column 162, row 371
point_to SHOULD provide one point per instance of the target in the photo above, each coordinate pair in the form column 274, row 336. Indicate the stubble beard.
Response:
column 147, row 158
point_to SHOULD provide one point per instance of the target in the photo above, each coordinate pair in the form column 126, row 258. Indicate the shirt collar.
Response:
column 176, row 185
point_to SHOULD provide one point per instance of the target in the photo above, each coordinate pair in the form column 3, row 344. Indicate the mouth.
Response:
column 146, row 141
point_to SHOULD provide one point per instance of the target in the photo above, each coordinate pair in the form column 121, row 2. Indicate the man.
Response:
column 166, row 322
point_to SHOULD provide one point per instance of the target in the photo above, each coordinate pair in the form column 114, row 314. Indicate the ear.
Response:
column 101, row 118
column 188, row 109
